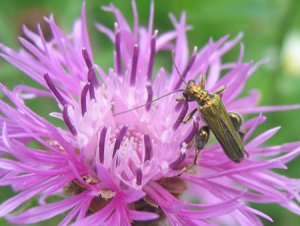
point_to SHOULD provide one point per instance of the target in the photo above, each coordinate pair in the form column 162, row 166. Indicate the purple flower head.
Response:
column 121, row 155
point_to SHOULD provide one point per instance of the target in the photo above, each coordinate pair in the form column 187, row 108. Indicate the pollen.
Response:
column 55, row 144
column 107, row 194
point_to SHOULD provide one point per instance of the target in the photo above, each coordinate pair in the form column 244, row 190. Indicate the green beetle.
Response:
column 226, row 126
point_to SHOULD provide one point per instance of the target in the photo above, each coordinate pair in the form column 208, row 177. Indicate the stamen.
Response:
column 102, row 144
column 150, row 97
column 83, row 98
column 118, row 49
column 178, row 161
column 92, row 78
column 87, row 58
column 152, row 55
column 188, row 67
column 91, row 86
column 148, row 148
column 192, row 134
column 185, row 107
column 54, row 90
column 139, row 176
column 68, row 121
column 119, row 139
column 135, row 57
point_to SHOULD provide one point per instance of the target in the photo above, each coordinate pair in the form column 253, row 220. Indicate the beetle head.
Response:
column 194, row 92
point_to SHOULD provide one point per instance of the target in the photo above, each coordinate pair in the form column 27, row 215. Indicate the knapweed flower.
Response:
column 111, row 165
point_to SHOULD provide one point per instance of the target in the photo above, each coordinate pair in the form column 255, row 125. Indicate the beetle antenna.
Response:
column 158, row 98
column 176, row 68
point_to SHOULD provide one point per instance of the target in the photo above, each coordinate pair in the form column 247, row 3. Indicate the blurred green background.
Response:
column 271, row 29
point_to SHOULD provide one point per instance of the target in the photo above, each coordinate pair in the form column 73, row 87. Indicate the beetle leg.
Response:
column 201, row 140
column 189, row 116
column 220, row 90
column 242, row 133
column 237, row 121
column 180, row 99
column 203, row 81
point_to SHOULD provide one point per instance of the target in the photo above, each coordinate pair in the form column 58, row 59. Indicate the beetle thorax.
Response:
column 194, row 92
column 199, row 93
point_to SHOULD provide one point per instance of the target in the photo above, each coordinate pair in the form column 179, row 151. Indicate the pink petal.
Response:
column 47, row 211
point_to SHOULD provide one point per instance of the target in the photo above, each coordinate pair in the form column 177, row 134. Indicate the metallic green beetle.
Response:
column 226, row 126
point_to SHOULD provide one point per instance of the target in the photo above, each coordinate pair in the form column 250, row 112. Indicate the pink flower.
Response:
column 111, row 165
